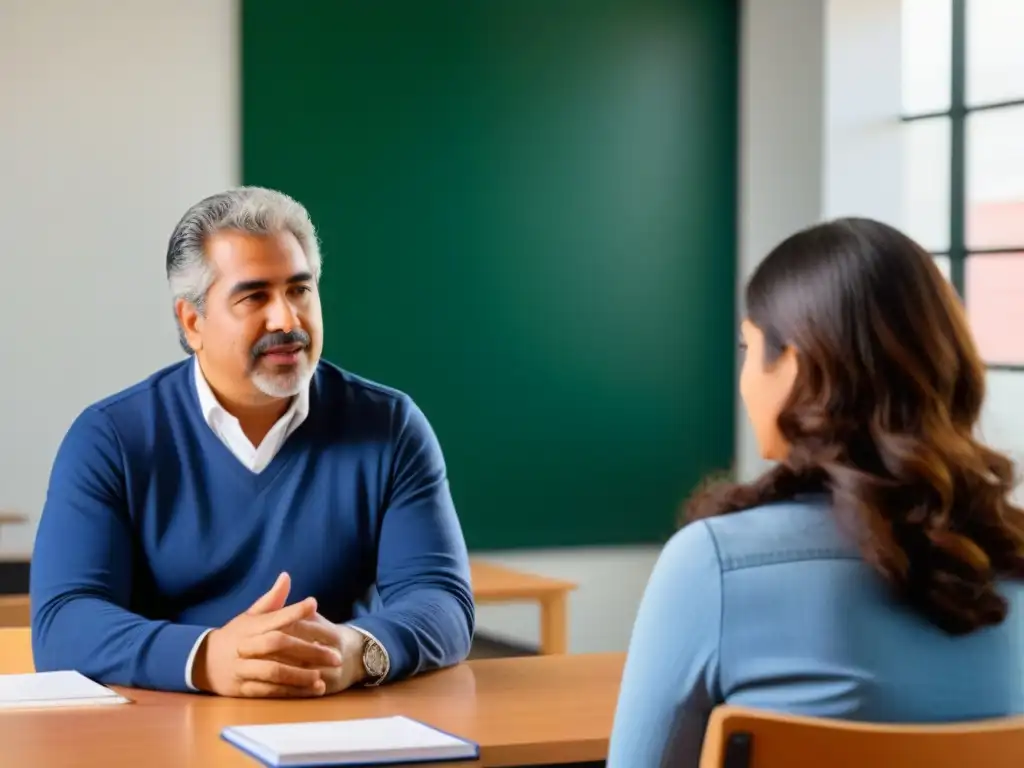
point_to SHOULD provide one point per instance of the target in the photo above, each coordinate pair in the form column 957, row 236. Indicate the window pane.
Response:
column 926, row 182
column 925, row 51
column 995, row 55
column 942, row 262
column 1002, row 418
column 995, row 178
column 994, row 283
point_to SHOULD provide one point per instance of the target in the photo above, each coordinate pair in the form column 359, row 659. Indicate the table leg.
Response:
column 554, row 620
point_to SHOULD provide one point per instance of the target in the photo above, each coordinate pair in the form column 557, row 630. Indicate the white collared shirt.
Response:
column 227, row 428
column 254, row 457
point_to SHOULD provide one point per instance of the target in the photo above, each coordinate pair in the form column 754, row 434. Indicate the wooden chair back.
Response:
column 745, row 738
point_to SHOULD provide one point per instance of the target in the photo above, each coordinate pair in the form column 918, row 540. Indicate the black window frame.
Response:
column 958, row 251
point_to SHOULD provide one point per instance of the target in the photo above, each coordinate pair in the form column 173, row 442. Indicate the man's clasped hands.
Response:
column 279, row 650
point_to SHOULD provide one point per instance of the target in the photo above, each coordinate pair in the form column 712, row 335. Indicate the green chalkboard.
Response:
column 527, row 211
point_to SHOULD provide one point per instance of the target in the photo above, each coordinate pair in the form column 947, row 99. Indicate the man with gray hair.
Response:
column 184, row 511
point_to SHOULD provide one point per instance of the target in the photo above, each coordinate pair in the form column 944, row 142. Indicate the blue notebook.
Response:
column 374, row 741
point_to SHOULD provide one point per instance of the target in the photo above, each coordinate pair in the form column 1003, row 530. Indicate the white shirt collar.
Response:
column 212, row 409
column 227, row 428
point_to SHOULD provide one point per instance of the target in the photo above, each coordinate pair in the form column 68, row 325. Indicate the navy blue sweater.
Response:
column 153, row 532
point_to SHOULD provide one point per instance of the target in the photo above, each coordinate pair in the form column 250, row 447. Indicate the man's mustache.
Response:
column 279, row 339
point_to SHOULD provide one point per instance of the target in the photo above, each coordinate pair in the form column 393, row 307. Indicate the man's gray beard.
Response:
column 283, row 384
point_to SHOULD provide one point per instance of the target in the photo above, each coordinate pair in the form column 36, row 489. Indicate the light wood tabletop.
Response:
column 499, row 584
column 523, row 711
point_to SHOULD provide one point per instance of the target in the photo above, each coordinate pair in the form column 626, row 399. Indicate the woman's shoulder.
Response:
column 797, row 529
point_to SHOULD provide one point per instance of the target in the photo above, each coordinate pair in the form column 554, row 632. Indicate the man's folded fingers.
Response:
column 316, row 631
column 287, row 615
column 278, row 645
column 277, row 673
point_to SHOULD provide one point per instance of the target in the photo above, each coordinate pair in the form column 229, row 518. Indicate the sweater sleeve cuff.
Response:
column 168, row 663
column 192, row 659
column 399, row 658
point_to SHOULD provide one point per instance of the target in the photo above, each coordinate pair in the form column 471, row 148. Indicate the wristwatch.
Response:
column 376, row 661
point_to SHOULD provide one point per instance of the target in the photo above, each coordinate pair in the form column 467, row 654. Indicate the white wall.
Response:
column 862, row 169
column 781, row 144
column 115, row 115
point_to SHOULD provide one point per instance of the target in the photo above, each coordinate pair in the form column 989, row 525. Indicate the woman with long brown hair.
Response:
column 876, row 572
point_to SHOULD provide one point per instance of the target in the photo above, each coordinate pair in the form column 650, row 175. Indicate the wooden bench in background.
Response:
column 14, row 611
column 497, row 584
column 11, row 518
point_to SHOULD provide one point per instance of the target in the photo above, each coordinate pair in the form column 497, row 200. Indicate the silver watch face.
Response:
column 373, row 659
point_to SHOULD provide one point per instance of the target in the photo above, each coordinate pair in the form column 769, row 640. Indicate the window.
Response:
column 963, row 159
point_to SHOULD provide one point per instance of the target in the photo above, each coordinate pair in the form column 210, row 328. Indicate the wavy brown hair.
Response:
column 882, row 417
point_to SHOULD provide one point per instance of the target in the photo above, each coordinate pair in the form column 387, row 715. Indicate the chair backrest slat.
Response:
column 745, row 738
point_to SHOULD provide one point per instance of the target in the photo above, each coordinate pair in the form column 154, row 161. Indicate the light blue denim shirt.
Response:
column 773, row 608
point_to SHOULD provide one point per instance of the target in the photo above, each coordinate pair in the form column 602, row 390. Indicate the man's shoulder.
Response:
column 144, row 393
column 334, row 385
column 350, row 404
column 119, row 421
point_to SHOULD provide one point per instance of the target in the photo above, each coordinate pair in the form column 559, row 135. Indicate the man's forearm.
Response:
column 112, row 645
column 427, row 619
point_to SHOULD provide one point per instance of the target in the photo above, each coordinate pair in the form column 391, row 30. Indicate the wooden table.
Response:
column 523, row 711
column 498, row 584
